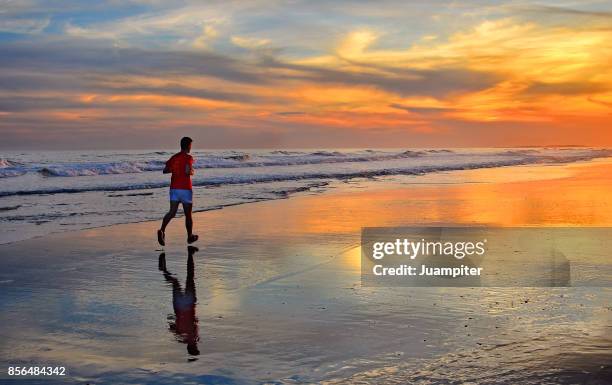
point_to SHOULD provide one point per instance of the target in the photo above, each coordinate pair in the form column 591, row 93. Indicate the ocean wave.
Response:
column 327, row 153
column 294, row 190
column 92, row 169
column 239, row 157
column 9, row 208
column 238, row 160
column 281, row 158
column 412, row 154
column 231, row 179
column 10, row 168
column 520, row 152
column 286, row 152
column 5, row 163
column 8, row 173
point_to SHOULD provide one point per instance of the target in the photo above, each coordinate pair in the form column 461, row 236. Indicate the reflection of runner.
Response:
column 185, row 324
column 181, row 167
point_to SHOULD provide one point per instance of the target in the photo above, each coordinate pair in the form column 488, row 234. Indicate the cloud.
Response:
column 437, row 82
column 289, row 113
column 23, row 25
column 325, row 67
column 75, row 56
column 193, row 26
column 568, row 88
column 209, row 33
column 600, row 102
column 249, row 42
column 553, row 10
column 356, row 43
column 422, row 110
column 33, row 103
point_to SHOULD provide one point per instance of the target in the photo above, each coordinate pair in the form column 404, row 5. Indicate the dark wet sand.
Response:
column 274, row 294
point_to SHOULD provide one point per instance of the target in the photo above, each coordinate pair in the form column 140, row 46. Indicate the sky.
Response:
column 303, row 74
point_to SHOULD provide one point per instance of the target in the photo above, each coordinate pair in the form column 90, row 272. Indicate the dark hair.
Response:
column 185, row 142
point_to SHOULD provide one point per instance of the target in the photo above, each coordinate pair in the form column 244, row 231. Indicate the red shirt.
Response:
column 179, row 165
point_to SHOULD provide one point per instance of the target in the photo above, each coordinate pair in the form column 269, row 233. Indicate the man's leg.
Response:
column 169, row 215
column 188, row 220
column 191, row 237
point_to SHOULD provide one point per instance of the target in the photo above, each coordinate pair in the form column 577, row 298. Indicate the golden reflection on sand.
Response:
column 576, row 200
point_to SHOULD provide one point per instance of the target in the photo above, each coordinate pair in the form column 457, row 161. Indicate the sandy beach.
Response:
column 273, row 294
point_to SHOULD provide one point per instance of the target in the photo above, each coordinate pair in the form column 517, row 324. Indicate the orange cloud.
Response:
column 508, row 73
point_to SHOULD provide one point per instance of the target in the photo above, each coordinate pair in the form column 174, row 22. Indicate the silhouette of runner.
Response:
column 185, row 323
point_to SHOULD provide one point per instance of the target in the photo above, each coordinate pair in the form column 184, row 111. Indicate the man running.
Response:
column 181, row 167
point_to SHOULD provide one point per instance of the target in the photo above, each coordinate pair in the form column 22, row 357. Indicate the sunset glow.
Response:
column 269, row 74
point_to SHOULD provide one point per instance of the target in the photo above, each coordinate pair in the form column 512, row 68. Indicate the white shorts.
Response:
column 180, row 195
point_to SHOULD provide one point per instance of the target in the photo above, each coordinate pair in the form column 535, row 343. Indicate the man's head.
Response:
column 186, row 144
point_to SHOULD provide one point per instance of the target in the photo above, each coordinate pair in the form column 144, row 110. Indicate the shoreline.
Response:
column 415, row 181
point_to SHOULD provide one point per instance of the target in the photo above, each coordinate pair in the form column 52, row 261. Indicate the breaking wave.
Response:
column 442, row 162
column 92, row 169
column 9, row 168
column 234, row 159
column 238, row 160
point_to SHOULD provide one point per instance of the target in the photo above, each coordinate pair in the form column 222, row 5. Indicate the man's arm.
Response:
column 167, row 169
column 189, row 167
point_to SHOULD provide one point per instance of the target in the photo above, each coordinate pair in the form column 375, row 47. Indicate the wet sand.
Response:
column 273, row 294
